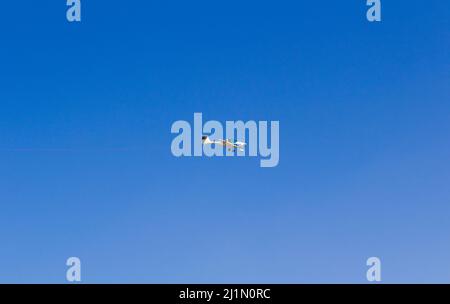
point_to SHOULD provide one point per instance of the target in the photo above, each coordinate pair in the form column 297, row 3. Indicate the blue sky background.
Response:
column 86, row 168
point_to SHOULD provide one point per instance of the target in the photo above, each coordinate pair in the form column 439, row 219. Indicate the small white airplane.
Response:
column 224, row 142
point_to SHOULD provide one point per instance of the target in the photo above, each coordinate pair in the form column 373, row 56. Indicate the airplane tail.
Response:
column 240, row 145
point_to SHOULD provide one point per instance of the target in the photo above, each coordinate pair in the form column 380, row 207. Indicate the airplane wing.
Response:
column 234, row 146
column 229, row 145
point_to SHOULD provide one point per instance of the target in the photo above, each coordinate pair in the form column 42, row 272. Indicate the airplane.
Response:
column 224, row 142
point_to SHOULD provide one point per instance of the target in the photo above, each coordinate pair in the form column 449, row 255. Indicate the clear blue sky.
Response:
column 85, row 162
